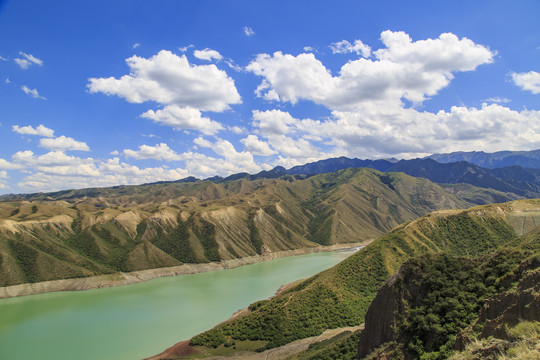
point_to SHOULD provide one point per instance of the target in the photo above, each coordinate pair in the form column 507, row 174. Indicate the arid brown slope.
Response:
column 88, row 232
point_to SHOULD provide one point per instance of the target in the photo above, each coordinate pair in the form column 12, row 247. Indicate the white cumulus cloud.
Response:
column 345, row 47
column 373, row 131
column 202, row 142
column 4, row 164
column 256, row 146
column 63, row 143
column 403, row 69
column 56, row 163
column 529, row 81
column 184, row 118
column 158, row 152
column 170, row 79
column 207, row 54
column 40, row 130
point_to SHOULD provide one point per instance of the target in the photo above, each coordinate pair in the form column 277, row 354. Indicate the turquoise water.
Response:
column 141, row 320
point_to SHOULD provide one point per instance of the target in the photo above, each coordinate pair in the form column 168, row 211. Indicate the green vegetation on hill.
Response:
column 176, row 243
column 341, row 295
column 436, row 298
column 254, row 236
column 343, row 347
column 442, row 295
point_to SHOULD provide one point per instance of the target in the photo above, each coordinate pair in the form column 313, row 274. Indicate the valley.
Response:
column 92, row 232
column 342, row 295
column 93, row 238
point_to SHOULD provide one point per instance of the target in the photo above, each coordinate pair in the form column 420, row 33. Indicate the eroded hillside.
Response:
column 80, row 233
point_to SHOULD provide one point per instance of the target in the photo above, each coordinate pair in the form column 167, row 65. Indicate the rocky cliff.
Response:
column 437, row 304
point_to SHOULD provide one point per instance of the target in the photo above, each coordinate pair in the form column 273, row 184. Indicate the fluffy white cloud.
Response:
column 403, row 69
column 236, row 130
column 273, row 122
column 159, row 152
column 107, row 173
column 207, row 54
column 238, row 161
column 56, row 163
column 290, row 78
column 27, row 60
column 248, row 31
column 170, row 79
column 63, row 143
column 367, row 132
column 232, row 161
column 184, row 118
column 291, row 138
column 202, row 142
column 345, row 47
column 256, row 146
column 529, row 81
column 40, row 130
column 4, row 164
column 32, row 92
column 56, row 171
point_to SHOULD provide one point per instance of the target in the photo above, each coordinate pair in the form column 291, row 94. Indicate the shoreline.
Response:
column 134, row 277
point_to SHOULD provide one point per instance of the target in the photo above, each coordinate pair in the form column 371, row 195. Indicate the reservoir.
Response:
column 141, row 320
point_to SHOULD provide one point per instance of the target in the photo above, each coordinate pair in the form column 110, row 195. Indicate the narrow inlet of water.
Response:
column 140, row 320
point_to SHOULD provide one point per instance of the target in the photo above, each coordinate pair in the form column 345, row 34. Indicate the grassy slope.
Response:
column 341, row 295
column 98, row 231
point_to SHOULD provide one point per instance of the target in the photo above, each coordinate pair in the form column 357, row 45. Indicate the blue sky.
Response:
column 100, row 93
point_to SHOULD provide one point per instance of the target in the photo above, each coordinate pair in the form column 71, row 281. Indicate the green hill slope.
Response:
column 341, row 295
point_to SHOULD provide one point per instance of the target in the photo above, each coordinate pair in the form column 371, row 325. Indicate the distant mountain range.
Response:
column 511, row 179
column 526, row 159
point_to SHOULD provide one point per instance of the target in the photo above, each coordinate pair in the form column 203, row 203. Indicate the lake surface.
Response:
column 141, row 320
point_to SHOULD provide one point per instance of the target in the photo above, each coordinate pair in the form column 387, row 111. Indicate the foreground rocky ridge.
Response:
column 92, row 232
column 432, row 299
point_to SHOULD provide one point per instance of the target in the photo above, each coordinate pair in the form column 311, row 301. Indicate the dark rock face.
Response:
column 380, row 318
column 510, row 308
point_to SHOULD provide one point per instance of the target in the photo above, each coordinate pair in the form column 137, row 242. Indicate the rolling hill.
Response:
column 79, row 233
